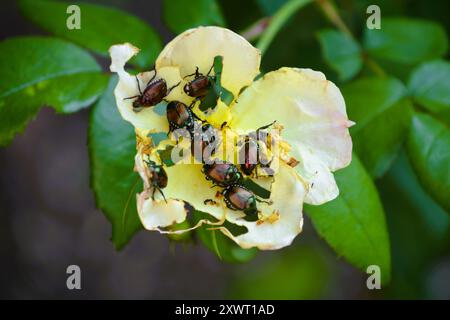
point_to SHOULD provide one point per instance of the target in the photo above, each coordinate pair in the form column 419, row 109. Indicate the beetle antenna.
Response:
column 192, row 74
column 265, row 127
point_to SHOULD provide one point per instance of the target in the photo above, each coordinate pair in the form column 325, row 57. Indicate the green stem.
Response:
column 375, row 67
column 330, row 12
column 215, row 244
column 277, row 22
column 255, row 31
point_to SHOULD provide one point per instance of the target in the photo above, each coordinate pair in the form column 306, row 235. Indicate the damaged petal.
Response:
column 312, row 111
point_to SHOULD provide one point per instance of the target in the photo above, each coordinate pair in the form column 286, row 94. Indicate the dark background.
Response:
column 48, row 221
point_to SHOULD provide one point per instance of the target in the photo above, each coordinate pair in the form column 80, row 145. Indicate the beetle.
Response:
column 179, row 116
column 239, row 198
column 201, row 84
column 222, row 174
column 158, row 178
column 205, row 137
column 154, row 92
column 251, row 154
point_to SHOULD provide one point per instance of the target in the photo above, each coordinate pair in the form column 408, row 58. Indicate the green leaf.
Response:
column 418, row 229
column 341, row 52
column 181, row 15
column 406, row 41
column 429, row 152
column 101, row 27
column 225, row 95
column 256, row 188
column 166, row 156
column 382, row 119
column 430, row 86
column 112, row 146
column 39, row 71
column 354, row 223
column 225, row 249
column 301, row 272
column 217, row 91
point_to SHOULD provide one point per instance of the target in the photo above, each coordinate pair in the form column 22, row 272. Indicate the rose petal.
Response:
column 155, row 213
column 284, row 219
column 149, row 118
column 187, row 184
column 312, row 112
column 198, row 47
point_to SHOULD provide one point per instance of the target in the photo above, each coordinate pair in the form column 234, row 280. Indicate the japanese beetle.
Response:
column 222, row 174
column 205, row 137
column 179, row 116
column 158, row 178
column 155, row 91
column 239, row 198
column 200, row 85
column 251, row 154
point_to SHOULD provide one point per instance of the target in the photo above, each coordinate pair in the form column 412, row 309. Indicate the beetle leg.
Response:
column 194, row 101
column 149, row 163
column 196, row 117
column 133, row 97
column 153, row 194
column 211, row 201
column 138, row 85
column 192, row 104
column 171, row 128
column 269, row 202
column 152, row 78
column 173, row 87
column 164, row 197
column 210, row 69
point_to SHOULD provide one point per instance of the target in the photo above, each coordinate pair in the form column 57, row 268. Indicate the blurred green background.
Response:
column 48, row 215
